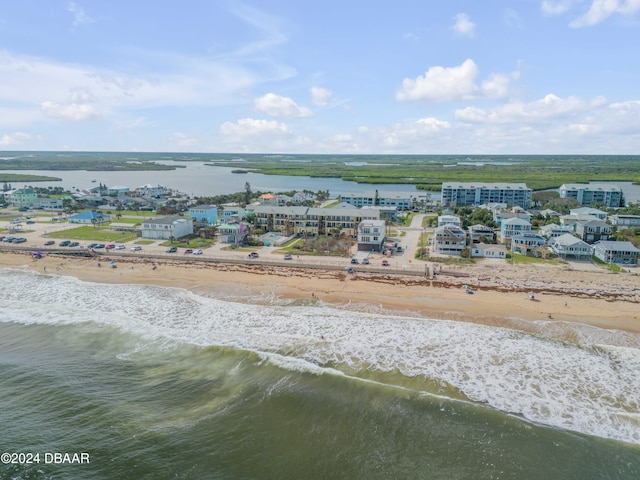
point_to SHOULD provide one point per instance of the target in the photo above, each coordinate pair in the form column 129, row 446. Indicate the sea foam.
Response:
column 585, row 386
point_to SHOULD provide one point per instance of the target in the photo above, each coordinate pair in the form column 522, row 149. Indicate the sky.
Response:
column 330, row 77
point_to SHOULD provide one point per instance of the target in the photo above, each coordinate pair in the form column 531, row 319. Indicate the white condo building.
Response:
column 459, row 194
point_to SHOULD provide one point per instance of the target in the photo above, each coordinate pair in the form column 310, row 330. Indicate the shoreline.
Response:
column 500, row 298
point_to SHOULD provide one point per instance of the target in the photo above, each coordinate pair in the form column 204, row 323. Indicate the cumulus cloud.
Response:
column 69, row 111
column 547, row 108
column 602, row 9
column 463, row 26
column 79, row 15
column 557, row 7
column 281, row 107
column 247, row 127
column 441, row 84
column 320, row 96
column 14, row 139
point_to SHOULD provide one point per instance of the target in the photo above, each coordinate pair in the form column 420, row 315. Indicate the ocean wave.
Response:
column 588, row 384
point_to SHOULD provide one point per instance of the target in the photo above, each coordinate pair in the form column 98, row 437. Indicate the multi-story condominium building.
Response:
column 166, row 228
column 46, row 203
column 458, row 194
column 371, row 235
column 23, row 197
column 402, row 200
column 593, row 193
column 311, row 220
column 150, row 190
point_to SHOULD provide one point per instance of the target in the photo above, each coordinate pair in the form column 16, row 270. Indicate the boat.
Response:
column 93, row 181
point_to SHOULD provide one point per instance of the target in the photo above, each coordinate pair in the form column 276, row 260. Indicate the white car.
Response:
column 136, row 248
column 120, row 247
column 197, row 252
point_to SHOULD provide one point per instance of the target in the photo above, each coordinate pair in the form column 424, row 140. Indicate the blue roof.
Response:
column 89, row 216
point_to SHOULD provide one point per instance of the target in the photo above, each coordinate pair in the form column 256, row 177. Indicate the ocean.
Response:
column 161, row 383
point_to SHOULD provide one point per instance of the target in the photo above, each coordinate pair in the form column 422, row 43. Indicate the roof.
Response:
column 591, row 186
column 486, row 186
column 89, row 215
column 567, row 239
column 164, row 220
column 613, row 245
column 515, row 221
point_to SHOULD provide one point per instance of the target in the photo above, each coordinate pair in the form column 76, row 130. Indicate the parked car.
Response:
column 8, row 239
column 65, row 243
column 197, row 252
column 20, row 240
column 171, row 250
column 287, row 256
column 188, row 251
column 99, row 245
column 30, row 222
column 385, row 263
column 135, row 248
column 253, row 255
column 365, row 261
column 111, row 246
column 49, row 242
column 74, row 244
column 120, row 247
column 92, row 245
column 354, row 261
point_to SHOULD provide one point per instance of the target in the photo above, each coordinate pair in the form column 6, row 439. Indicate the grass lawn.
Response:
column 516, row 258
column 98, row 234
column 132, row 221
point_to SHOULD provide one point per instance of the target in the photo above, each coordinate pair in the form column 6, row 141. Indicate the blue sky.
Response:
column 354, row 77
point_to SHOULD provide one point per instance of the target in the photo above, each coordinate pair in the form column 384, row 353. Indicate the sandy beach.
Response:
column 500, row 298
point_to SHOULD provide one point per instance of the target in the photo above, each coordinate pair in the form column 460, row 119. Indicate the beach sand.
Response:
column 501, row 292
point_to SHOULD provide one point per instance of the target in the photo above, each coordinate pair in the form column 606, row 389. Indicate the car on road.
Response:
column 354, row 261
column 30, row 222
column 365, row 261
column 8, row 239
column 92, row 245
column 171, row 250
column 287, row 256
column 20, row 240
column 253, row 255
column 49, row 242
column 197, row 252
column 120, row 247
column 136, row 248
column 99, row 245
column 74, row 244
column 385, row 263
column 65, row 243
column 111, row 246
column 188, row 251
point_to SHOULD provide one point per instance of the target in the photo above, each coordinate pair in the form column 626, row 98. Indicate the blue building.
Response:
column 89, row 218
column 204, row 213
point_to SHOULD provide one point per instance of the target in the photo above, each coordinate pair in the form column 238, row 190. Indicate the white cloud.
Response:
column 69, row 111
column 14, row 139
column 183, row 139
column 248, row 127
column 602, row 9
column 79, row 15
column 320, row 96
column 548, row 108
column 441, row 84
column 463, row 26
column 557, row 7
column 281, row 107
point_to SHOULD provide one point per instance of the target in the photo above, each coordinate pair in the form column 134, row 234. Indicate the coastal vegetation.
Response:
column 428, row 172
column 90, row 161
column 6, row 178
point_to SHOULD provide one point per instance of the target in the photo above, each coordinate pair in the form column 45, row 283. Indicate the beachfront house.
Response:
column 616, row 252
column 167, row 228
column 527, row 242
column 553, row 230
column 449, row 240
column 371, row 235
column 233, row 232
column 511, row 226
column 232, row 214
column 488, row 250
column 568, row 246
column 204, row 214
